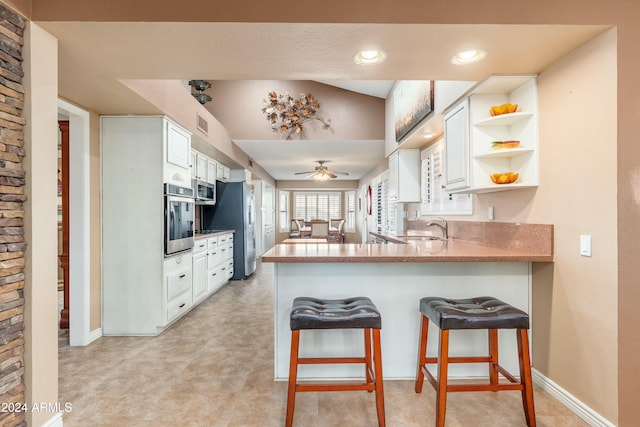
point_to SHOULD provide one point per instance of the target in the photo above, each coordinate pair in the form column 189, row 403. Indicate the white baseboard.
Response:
column 590, row 416
column 94, row 335
column 55, row 421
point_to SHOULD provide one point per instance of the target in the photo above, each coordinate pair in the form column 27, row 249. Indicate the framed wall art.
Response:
column 413, row 102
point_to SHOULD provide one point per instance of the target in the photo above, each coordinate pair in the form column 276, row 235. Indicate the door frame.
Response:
column 79, row 225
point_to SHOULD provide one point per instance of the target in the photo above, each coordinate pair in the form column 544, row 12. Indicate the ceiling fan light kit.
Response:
column 321, row 172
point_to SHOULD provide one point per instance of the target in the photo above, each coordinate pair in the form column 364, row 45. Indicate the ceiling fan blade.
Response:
column 311, row 176
column 329, row 173
column 340, row 173
column 302, row 173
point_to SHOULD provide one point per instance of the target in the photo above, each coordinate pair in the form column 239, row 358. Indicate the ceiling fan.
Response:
column 322, row 173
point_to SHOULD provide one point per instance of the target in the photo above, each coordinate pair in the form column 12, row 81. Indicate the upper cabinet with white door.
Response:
column 472, row 136
column 404, row 176
column 177, row 154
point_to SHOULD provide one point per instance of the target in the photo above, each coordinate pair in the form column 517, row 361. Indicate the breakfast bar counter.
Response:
column 395, row 277
column 452, row 250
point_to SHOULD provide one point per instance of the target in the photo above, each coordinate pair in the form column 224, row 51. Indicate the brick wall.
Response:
column 12, row 244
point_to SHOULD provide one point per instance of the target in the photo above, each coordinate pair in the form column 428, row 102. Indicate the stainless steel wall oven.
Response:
column 179, row 219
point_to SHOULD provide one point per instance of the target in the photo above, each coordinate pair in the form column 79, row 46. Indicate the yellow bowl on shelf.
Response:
column 498, row 110
column 498, row 145
column 504, row 178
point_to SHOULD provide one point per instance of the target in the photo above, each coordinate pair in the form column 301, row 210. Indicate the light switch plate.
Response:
column 585, row 245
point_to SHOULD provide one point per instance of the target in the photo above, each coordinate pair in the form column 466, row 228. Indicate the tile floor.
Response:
column 214, row 367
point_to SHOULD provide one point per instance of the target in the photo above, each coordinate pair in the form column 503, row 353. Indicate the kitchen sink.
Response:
column 419, row 238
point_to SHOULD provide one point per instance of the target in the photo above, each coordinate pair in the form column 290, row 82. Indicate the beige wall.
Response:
column 353, row 116
column 41, row 273
column 577, row 193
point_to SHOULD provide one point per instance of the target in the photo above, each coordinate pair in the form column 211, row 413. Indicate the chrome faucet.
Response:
column 444, row 227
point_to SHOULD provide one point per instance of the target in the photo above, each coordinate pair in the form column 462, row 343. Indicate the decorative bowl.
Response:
column 497, row 145
column 498, row 110
column 504, row 178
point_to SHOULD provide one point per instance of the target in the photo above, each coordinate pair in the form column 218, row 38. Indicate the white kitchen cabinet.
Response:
column 220, row 250
column 212, row 170
column 483, row 160
column 223, row 173
column 202, row 163
column 404, row 176
column 200, row 270
column 142, row 291
column 456, row 136
column 178, row 145
column 178, row 286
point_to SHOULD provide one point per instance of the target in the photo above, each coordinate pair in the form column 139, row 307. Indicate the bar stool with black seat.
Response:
column 348, row 313
column 474, row 313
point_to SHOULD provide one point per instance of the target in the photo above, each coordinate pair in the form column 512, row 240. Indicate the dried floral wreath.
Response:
column 290, row 116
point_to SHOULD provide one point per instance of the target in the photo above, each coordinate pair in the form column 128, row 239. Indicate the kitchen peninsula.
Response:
column 492, row 259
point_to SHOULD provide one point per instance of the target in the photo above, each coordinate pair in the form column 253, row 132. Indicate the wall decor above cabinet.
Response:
column 480, row 143
column 413, row 101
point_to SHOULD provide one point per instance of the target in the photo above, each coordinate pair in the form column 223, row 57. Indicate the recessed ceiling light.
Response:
column 428, row 134
column 468, row 57
column 370, row 57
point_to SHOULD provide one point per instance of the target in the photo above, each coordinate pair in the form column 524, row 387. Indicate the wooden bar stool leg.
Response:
column 443, row 365
column 377, row 357
column 367, row 356
column 293, row 374
column 493, row 354
column 422, row 352
column 525, row 377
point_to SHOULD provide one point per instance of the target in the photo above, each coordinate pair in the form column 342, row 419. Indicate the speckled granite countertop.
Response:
column 508, row 243
column 208, row 234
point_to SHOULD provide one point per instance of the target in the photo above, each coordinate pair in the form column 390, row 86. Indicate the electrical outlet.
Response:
column 585, row 245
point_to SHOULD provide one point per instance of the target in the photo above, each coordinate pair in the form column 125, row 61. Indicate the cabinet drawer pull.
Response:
column 183, row 304
column 214, row 274
column 201, row 246
column 223, row 250
column 223, row 269
column 182, row 276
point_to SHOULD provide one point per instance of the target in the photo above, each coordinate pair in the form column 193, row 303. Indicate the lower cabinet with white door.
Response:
column 178, row 283
column 212, row 264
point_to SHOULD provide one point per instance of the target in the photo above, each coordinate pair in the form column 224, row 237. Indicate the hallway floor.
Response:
column 214, row 367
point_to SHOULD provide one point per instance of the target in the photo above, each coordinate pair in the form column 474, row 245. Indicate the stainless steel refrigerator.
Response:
column 235, row 210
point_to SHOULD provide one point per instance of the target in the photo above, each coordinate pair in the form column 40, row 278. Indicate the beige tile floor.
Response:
column 215, row 368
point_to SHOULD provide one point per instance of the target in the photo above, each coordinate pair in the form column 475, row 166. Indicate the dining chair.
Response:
column 294, row 231
column 337, row 232
column 320, row 230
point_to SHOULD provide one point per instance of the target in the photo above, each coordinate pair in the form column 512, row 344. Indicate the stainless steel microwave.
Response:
column 204, row 192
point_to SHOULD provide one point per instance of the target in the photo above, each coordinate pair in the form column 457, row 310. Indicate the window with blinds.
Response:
column 310, row 206
column 350, row 211
column 284, row 220
column 380, row 198
column 435, row 199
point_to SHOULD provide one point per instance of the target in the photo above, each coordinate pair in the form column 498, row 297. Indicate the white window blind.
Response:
column 380, row 205
column 309, row 206
column 435, row 199
column 284, row 220
column 350, row 211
